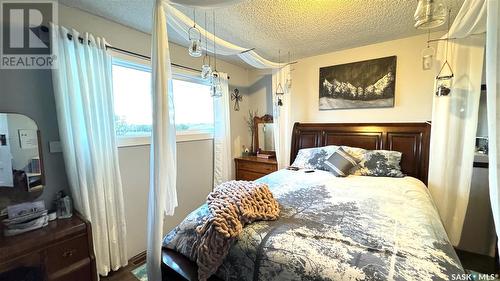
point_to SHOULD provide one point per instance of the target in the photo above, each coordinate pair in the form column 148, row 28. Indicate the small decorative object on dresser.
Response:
column 61, row 251
column 252, row 167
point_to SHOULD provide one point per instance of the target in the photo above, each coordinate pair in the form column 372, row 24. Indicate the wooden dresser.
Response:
column 251, row 167
column 61, row 251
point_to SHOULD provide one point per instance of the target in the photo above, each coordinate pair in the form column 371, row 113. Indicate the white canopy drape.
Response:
column 83, row 92
column 181, row 23
column 163, row 171
column 493, row 106
column 454, row 118
column 282, row 126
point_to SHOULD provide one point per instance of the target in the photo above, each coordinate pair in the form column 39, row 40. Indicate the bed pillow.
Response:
column 313, row 158
column 340, row 163
column 379, row 163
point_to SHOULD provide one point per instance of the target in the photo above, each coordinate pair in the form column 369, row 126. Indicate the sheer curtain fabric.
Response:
column 493, row 106
column 83, row 93
column 181, row 24
column 163, row 169
column 454, row 119
column 222, row 134
column 281, row 116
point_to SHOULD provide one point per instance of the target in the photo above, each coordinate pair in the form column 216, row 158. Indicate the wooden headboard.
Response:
column 412, row 139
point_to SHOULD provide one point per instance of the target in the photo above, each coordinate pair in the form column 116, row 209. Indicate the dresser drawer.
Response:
column 248, row 175
column 67, row 253
column 80, row 272
column 263, row 168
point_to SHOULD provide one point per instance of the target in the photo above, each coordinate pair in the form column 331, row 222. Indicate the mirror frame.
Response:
column 261, row 120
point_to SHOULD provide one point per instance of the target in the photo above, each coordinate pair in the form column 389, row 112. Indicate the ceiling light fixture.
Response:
column 195, row 39
column 430, row 14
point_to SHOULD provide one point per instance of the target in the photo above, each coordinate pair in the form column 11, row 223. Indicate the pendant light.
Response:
column 206, row 69
column 444, row 79
column 429, row 14
column 194, row 39
column 216, row 83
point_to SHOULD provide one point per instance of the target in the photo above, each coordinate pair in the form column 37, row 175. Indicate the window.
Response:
column 133, row 109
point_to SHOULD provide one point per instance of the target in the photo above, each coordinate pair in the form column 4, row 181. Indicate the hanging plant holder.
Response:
column 444, row 80
column 279, row 94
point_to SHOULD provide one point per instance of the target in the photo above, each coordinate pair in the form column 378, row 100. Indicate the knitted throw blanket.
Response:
column 231, row 205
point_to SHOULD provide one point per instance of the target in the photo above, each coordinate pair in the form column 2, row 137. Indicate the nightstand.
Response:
column 251, row 167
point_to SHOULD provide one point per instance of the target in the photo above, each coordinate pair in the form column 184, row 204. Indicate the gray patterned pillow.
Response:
column 340, row 163
column 379, row 163
column 313, row 158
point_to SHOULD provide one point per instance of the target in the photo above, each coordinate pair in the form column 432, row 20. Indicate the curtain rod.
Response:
column 127, row 52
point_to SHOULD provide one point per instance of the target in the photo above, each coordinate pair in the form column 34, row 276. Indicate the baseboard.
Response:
column 138, row 259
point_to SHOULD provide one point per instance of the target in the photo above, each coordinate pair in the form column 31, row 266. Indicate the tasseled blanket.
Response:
column 231, row 205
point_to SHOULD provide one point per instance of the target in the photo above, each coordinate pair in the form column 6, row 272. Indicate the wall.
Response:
column 414, row 87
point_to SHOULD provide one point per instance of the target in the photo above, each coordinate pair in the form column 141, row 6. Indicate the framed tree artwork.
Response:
column 364, row 84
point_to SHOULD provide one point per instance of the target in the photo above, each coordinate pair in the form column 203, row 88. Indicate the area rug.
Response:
column 141, row 273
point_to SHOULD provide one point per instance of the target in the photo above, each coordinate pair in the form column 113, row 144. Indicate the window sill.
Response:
column 181, row 137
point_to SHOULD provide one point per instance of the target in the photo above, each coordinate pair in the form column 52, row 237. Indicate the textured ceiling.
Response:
column 302, row 27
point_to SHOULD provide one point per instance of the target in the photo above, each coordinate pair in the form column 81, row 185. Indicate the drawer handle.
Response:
column 68, row 253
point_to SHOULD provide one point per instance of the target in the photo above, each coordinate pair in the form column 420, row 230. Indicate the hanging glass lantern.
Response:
column 429, row 14
column 195, row 42
column 427, row 58
column 206, row 71
column 216, row 88
column 444, row 80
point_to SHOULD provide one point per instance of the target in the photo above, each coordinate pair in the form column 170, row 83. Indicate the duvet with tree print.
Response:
column 353, row 228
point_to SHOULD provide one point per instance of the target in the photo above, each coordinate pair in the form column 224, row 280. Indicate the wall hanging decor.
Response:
column 364, row 84
column 237, row 98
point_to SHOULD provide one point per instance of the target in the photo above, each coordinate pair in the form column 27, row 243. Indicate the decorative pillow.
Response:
column 313, row 158
column 340, row 163
column 380, row 163
column 355, row 152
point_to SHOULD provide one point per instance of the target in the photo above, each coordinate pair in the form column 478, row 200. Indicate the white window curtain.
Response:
column 222, row 134
column 281, row 116
column 493, row 106
column 454, row 118
column 162, row 191
column 84, row 100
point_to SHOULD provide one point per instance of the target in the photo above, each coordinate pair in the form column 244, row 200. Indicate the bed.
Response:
column 354, row 228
